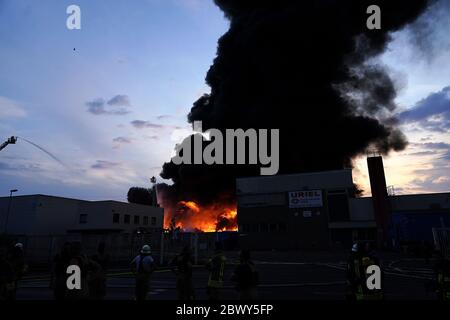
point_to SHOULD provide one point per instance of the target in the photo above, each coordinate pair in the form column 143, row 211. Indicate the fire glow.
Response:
column 190, row 216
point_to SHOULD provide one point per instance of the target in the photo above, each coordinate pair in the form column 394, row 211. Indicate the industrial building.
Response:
column 42, row 215
column 320, row 210
column 414, row 216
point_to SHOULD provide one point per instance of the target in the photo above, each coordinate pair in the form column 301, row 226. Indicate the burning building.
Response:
column 305, row 68
column 319, row 210
column 190, row 216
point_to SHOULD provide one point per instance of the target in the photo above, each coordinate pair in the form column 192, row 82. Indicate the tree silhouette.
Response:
column 140, row 195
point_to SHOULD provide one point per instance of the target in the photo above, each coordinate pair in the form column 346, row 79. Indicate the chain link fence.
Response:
column 122, row 248
column 41, row 250
column 442, row 240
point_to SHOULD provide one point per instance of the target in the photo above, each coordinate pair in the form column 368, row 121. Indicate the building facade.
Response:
column 415, row 216
column 36, row 215
column 293, row 211
column 319, row 210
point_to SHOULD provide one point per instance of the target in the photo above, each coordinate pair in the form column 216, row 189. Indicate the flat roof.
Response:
column 296, row 174
column 74, row 199
column 422, row 194
column 333, row 179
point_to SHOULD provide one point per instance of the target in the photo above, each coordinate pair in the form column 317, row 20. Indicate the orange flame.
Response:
column 190, row 216
column 191, row 205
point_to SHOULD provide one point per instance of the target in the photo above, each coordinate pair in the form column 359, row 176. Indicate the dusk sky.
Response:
column 106, row 99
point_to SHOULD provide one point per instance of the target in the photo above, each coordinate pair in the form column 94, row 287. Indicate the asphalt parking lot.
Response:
column 283, row 276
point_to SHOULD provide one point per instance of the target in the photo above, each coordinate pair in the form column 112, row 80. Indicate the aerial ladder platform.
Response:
column 11, row 140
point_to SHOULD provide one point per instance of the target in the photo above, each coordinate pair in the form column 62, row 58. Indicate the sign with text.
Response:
column 305, row 199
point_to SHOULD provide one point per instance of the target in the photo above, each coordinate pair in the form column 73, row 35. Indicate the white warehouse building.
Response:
column 39, row 215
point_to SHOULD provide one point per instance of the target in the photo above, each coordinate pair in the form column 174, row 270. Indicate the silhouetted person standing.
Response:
column 366, row 259
column 246, row 277
column 97, row 280
column 17, row 261
column 6, row 275
column 59, row 273
column 86, row 266
column 216, row 267
column 143, row 266
column 183, row 271
column 353, row 272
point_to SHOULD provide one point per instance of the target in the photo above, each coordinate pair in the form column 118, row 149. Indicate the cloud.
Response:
column 440, row 180
column 423, row 153
column 440, row 149
column 119, row 141
column 20, row 167
column 428, row 172
column 122, row 140
column 96, row 106
column 10, row 109
column 140, row 124
column 431, row 113
column 120, row 100
column 446, row 156
column 163, row 117
column 432, row 176
column 99, row 106
column 104, row 165
column 434, row 145
column 152, row 137
column 428, row 32
column 434, row 181
column 5, row 166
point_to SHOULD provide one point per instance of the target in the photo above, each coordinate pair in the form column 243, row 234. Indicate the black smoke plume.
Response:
column 301, row 67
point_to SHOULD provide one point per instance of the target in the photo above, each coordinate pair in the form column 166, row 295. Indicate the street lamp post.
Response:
column 155, row 191
column 9, row 208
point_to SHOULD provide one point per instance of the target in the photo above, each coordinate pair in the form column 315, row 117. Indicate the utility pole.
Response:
column 155, row 191
column 156, row 204
column 9, row 208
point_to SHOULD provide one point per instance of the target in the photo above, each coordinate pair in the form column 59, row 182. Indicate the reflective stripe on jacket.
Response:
column 217, row 267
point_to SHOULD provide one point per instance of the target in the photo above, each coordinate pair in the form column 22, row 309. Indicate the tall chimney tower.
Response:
column 380, row 200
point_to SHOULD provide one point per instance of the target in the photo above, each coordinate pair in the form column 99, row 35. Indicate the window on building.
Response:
column 244, row 228
column 336, row 191
column 338, row 207
column 255, row 227
column 273, row 227
column 435, row 206
column 145, row 221
column 126, row 219
column 83, row 218
column 264, row 227
column 153, row 221
column 136, row 219
column 116, row 218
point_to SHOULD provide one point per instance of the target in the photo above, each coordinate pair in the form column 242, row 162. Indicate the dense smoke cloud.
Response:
column 429, row 33
column 301, row 67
